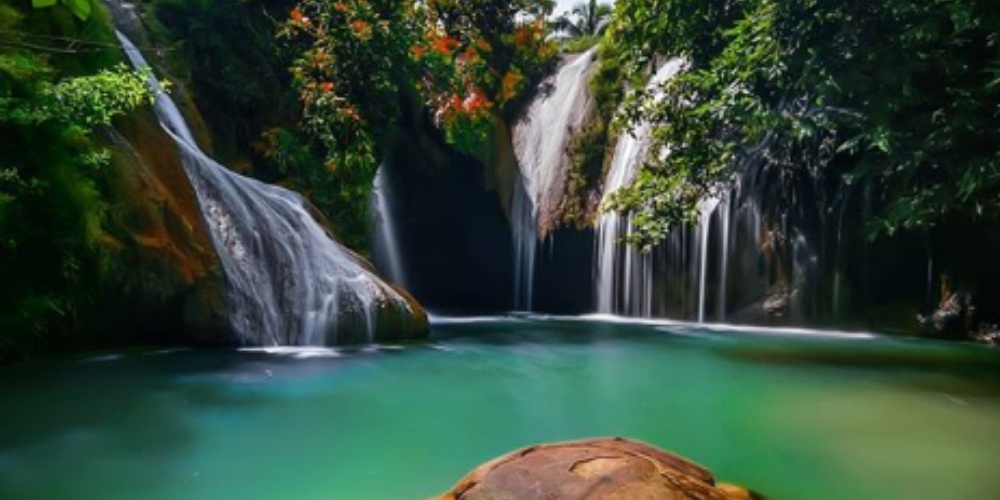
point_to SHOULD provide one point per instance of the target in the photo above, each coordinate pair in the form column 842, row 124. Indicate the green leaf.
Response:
column 41, row 4
column 81, row 8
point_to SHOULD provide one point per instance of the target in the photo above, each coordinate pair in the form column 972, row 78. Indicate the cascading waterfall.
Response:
column 387, row 254
column 541, row 139
column 289, row 282
column 624, row 275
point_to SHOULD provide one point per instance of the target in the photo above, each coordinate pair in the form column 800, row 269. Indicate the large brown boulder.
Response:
column 603, row 468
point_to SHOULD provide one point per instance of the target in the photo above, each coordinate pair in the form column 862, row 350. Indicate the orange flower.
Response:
column 340, row 6
column 523, row 35
column 298, row 17
column 327, row 87
column 361, row 28
column 509, row 85
column 417, row 51
column 446, row 45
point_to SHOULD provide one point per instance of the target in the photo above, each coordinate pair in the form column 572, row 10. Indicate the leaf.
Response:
column 81, row 8
column 41, row 4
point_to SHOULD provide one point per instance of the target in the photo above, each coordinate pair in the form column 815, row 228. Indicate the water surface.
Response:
column 792, row 414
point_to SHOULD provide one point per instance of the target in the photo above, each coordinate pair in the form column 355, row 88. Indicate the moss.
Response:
column 579, row 44
column 77, row 231
column 590, row 149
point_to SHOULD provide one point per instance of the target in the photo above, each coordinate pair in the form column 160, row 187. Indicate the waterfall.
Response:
column 541, row 139
column 624, row 275
column 747, row 252
column 289, row 282
column 525, row 237
column 707, row 209
column 387, row 255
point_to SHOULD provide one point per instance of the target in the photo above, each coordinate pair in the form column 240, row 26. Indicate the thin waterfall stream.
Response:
column 387, row 253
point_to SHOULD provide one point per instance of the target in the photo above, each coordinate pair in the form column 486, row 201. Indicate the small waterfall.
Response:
column 624, row 275
column 387, row 255
column 725, row 216
column 289, row 282
column 525, row 237
column 753, row 254
column 703, row 230
column 541, row 139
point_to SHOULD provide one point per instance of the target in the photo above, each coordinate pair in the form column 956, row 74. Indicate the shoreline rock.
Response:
column 593, row 469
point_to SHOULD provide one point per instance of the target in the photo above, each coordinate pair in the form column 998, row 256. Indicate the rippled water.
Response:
column 792, row 414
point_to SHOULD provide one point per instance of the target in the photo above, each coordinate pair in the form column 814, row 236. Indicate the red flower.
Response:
column 446, row 45
column 476, row 101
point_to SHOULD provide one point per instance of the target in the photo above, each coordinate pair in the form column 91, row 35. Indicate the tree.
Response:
column 466, row 62
column 54, row 203
column 80, row 8
column 900, row 96
column 587, row 19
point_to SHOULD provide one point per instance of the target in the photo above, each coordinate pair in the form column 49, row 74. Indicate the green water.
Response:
column 796, row 417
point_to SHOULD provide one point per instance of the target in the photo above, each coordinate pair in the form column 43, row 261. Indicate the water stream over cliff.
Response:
column 388, row 256
column 541, row 138
column 289, row 282
column 623, row 275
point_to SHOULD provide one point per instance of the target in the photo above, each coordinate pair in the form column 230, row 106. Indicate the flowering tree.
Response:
column 466, row 61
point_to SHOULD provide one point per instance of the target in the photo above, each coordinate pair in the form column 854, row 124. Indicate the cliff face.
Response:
column 166, row 272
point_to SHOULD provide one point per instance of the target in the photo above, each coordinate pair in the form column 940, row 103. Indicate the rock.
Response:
column 955, row 317
column 602, row 468
column 779, row 302
column 167, row 278
column 988, row 334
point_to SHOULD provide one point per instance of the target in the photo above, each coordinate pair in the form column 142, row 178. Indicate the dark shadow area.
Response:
column 564, row 282
column 454, row 237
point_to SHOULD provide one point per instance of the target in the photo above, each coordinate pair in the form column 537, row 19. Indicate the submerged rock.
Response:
column 602, row 468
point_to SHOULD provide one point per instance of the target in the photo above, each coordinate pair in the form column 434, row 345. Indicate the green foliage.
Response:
column 79, row 8
column 363, row 66
column 85, row 100
column 689, row 28
column 579, row 44
column 900, row 96
column 53, row 209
